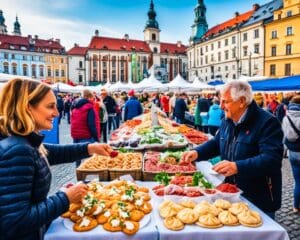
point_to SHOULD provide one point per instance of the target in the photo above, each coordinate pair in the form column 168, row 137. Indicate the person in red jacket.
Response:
column 165, row 103
column 85, row 123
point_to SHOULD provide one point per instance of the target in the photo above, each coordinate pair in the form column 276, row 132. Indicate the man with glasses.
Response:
column 249, row 142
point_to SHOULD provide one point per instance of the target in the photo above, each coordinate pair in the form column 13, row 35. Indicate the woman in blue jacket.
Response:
column 26, row 108
column 215, row 114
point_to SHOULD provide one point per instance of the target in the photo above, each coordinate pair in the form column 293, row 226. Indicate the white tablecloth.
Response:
column 270, row 230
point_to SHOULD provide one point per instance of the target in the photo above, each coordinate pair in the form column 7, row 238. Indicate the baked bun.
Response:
column 209, row 221
column 238, row 207
column 227, row 218
column 250, row 218
column 188, row 204
column 85, row 224
column 173, row 223
column 221, row 203
column 188, row 216
column 204, row 208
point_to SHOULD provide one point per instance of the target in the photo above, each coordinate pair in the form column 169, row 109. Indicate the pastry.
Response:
column 130, row 227
column 146, row 207
column 238, row 207
column 204, row 208
column 188, row 204
column 85, row 224
column 227, row 218
column 209, row 221
column 169, row 209
column 250, row 218
column 66, row 214
column 103, row 217
column 187, row 216
column 173, row 223
column 113, row 224
column 74, row 207
column 136, row 215
column 221, row 203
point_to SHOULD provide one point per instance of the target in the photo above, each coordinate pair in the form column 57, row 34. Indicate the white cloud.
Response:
column 35, row 20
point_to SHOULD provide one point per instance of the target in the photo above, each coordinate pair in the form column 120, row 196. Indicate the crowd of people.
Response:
column 248, row 133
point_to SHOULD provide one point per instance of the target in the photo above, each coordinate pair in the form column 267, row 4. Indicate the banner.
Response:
column 133, row 67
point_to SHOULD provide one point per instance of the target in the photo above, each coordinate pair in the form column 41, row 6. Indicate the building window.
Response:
column 256, row 33
column 113, row 75
column 206, row 48
column 226, row 68
column 41, row 58
column 25, row 70
column 219, row 56
column 272, row 69
column 95, row 73
column 153, row 37
column 273, row 51
column 226, row 55
column 33, row 71
column 5, row 68
column 256, row 48
column 212, row 46
column 274, row 34
column 32, row 58
column 62, row 73
column 288, row 49
column 13, row 56
column 56, row 73
column 226, row 42
column 211, row 57
column 24, row 57
column 234, row 52
column 61, row 60
column 245, row 51
column 245, row 37
column 49, row 71
column 14, row 69
column 80, row 64
column 155, row 50
column 289, row 31
column 287, row 69
column 289, row 13
column 233, row 40
column 219, row 44
column 5, row 55
column 41, row 71
column 206, row 59
column 80, row 78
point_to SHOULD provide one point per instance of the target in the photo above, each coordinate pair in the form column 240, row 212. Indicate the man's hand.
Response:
column 100, row 149
column 76, row 192
column 226, row 168
column 189, row 156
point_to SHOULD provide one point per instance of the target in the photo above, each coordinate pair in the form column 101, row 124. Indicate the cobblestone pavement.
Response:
column 64, row 173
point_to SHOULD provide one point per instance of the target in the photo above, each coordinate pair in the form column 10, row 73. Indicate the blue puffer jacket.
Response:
column 132, row 108
column 25, row 210
column 256, row 146
column 215, row 114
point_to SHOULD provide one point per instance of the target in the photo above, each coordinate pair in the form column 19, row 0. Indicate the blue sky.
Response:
column 74, row 21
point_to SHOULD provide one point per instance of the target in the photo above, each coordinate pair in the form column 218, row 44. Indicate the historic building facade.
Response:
column 31, row 56
column 283, row 41
column 125, row 59
column 233, row 48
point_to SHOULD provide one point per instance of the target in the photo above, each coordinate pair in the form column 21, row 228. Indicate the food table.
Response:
column 154, row 229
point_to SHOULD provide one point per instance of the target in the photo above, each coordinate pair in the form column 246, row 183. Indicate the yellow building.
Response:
column 282, row 41
column 56, row 68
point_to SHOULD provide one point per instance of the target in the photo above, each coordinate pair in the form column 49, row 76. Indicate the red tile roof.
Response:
column 230, row 23
column 36, row 44
column 118, row 44
column 172, row 48
column 79, row 51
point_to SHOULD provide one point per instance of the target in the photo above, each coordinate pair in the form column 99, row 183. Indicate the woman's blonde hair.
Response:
column 15, row 98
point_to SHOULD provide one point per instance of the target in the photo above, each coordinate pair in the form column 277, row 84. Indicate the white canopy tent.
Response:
column 149, row 84
column 253, row 78
column 198, row 85
column 178, row 83
column 62, row 87
column 119, row 86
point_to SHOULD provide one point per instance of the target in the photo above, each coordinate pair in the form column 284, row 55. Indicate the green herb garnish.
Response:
column 162, row 178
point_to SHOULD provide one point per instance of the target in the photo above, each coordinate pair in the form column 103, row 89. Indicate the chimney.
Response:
column 97, row 33
column 57, row 40
column 75, row 45
column 36, row 36
column 236, row 14
column 29, row 36
column 255, row 7
column 179, row 43
column 126, row 37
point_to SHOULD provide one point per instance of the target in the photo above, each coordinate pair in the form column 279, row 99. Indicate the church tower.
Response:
column 200, row 27
column 17, row 27
column 3, row 29
column 151, row 31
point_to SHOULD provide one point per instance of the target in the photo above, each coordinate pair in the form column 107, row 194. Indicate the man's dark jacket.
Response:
column 256, row 146
column 25, row 179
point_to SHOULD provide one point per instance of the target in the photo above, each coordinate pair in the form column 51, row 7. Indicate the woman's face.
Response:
column 44, row 112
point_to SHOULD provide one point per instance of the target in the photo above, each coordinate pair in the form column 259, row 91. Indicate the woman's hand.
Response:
column 100, row 149
column 189, row 156
column 76, row 192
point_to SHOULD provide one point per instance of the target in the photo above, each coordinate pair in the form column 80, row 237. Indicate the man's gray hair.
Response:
column 238, row 89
